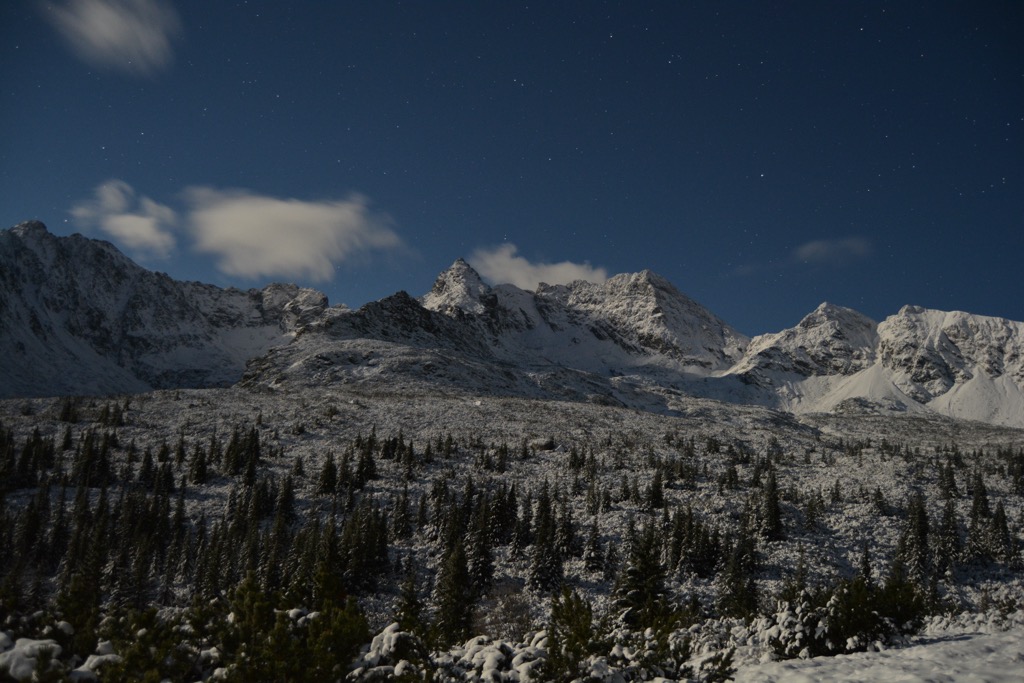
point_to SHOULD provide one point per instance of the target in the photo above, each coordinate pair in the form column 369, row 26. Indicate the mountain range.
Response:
column 79, row 317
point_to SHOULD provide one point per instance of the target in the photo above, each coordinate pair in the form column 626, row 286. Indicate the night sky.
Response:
column 764, row 157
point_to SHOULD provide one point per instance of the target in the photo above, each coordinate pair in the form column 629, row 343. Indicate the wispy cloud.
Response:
column 250, row 235
column 835, row 253
column 502, row 264
column 253, row 235
column 832, row 252
column 133, row 36
column 139, row 224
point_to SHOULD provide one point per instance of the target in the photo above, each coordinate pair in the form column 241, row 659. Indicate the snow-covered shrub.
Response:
column 393, row 655
column 30, row 660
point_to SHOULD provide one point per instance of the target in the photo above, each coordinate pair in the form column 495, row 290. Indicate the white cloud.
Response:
column 502, row 264
column 833, row 252
column 139, row 224
column 134, row 36
column 256, row 236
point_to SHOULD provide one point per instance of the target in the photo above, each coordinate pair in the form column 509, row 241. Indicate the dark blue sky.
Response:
column 764, row 157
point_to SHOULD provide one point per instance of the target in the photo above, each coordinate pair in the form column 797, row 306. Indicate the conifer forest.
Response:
column 350, row 535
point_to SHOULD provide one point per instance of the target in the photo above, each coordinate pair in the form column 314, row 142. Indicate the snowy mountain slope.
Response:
column 77, row 316
column 629, row 341
column 811, row 454
column 637, row 341
column 831, row 340
column 956, row 364
column 632, row 319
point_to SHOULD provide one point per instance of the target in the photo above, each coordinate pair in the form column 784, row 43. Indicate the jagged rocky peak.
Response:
column 645, row 285
column 935, row 350
column 78, row 316
column 32, row 227
column 830, row 340
column 652, row 295
column 458, row 287
column 840, row 319
column 647, row 311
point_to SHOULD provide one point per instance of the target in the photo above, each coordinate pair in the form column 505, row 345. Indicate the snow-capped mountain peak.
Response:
column 27, row 228
column 458, row 287
column 657, row 316
column 957, row 363
column 78, row 316
column 831, row 340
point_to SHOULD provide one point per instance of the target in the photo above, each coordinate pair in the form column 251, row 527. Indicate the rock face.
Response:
column 831, row 340
column 957, row 363
column 581, row 341
column 953, row 363
column 77, row 316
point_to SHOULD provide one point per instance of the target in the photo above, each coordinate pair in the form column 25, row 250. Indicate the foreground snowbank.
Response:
column 964, row 658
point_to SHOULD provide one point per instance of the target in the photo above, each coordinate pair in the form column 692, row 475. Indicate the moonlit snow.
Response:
column 964, row 658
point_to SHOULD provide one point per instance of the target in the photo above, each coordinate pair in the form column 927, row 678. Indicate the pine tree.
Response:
column 737, row 595
column 565, row 532
column 480, row 555
column 573, row 636
column 640, row 593
column 913, row 547
column 1000, row 541
column 401, row 520
column 284, row 503
column 947, row 540
column 900, row 599
column 452, row 597
column 545, row 560
column 979, row 498
column 334, row 639
column 409, row 609
column 656, row 491
column 327, row 482
column 947, row 481
column 523, row 535
column 198, row 473
column 979, row 536
column 771, row 514
column 593, row 555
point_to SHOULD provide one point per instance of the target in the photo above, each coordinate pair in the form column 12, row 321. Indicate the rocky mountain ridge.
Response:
column 79, row 317
column 76, row 316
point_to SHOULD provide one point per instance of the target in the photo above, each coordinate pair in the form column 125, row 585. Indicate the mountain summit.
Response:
column 77, row 316
column 459, row 287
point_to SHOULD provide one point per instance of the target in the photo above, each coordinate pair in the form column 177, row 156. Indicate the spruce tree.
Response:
column 573, row 635
column 947, row 540
column 410, row 608
column 771, row 513
column 593, row 554
column 453, row 597
column 327, row 482
column 545, row 560
column 640, row 594
column 913, row 547
column 480, row 555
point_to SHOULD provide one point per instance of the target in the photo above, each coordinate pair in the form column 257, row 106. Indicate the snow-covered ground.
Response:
column 812, row 455
column 953, row 658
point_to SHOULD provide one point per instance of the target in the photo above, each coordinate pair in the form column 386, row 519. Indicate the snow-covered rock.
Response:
column 831, row 340
column 617, row 343
column 956, row 363
column 79, row 317
column 21, row 661
column 919, row 360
